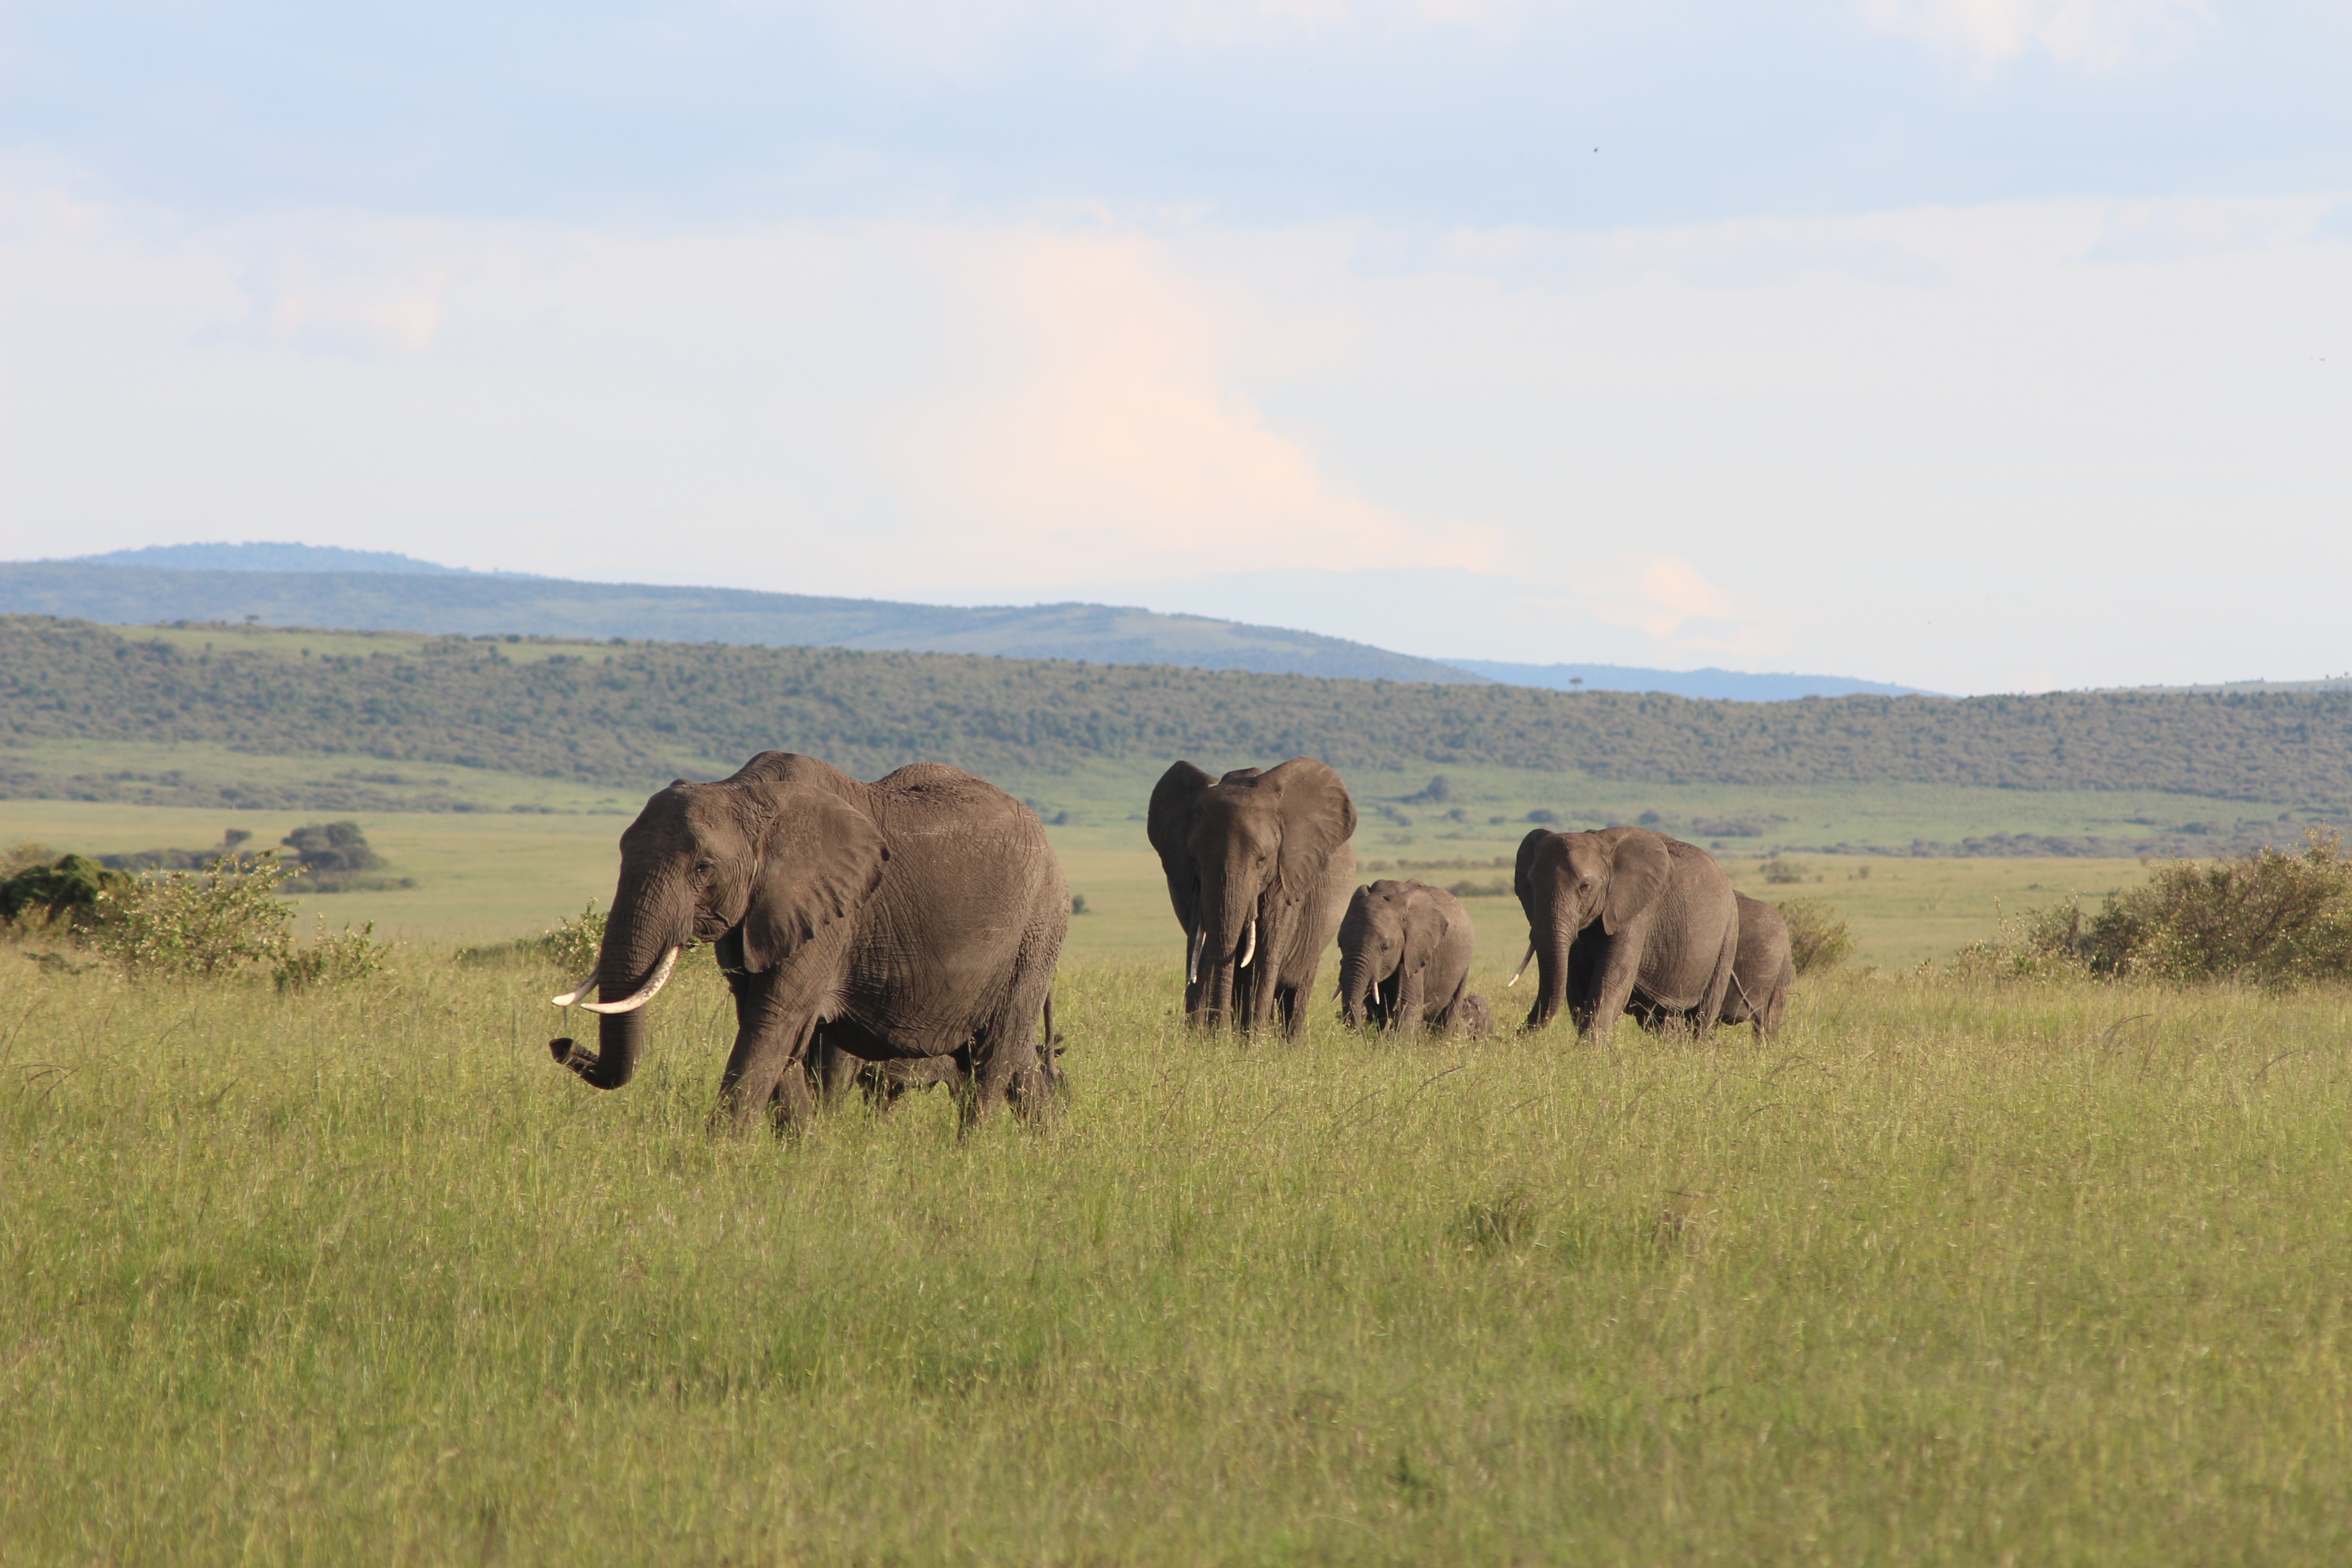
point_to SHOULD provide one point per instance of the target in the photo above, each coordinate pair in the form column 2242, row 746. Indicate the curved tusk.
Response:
column 1193, row 963
column 578, row 994
column 1522, row 968
column 631, row 1004
column 1249, row 945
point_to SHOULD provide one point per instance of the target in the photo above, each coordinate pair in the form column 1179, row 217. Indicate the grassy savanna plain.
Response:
column 1949, row 1272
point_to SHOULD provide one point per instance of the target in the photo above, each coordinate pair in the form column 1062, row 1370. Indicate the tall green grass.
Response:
column 1949, row 1273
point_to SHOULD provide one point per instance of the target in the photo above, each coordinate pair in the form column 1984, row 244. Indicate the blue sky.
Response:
column 1980, row 344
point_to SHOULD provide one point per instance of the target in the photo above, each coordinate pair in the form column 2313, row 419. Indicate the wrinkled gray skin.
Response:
column 1257, row 847
column 1761, row 976
column 913, row 921
column 1625, row 913
column 1404, row 957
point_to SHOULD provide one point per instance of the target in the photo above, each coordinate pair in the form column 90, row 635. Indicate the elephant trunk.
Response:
column 637, row 956
column 1356, row 985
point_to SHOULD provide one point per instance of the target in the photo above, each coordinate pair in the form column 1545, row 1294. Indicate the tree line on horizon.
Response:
column 633, row 716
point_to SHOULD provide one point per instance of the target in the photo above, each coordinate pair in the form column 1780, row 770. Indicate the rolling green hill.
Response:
column 419, row 597
column 629, row 717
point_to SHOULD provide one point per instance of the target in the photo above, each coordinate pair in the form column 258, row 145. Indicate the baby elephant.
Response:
column 1404, row 960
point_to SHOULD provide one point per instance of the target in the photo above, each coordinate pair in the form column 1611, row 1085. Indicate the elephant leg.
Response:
column 769, row 1041
column 1293, row 1012
column 1614, row 988
column 1412, row 999
column 1718, row 985
column 793, row 1102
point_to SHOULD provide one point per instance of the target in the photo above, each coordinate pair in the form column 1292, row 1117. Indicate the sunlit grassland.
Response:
column 1947, row 1273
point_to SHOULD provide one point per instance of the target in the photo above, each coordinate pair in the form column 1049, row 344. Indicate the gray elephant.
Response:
column 916, row 920
column 1762, row 973
column 1404, row 957
column 1623, row 913
column 1259, row 869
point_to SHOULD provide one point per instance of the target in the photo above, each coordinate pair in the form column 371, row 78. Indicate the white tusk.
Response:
column 1193, row 963
column 577, row 994
column 1522, row 968
column 1249, row 945
column 631, row 1004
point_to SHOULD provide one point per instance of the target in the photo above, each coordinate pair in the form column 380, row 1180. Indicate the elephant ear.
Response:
column 1317, row 817
column 1168, row 823
column 1425, row 924
column 1638, row 872
column 1521, row 882
column 819, row 858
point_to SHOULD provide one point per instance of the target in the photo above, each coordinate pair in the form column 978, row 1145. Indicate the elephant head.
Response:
column 1568, row 880
column 759, row 863
column 1241, row 854
column 1389, row 935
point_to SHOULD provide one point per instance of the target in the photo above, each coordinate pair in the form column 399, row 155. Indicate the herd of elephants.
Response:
column 905, row 932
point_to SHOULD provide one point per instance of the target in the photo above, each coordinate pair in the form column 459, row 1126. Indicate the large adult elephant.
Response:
column 1623, row 912
column 1404, row 958
column 1259, row 869
column 1762, row 975
column 915, row 919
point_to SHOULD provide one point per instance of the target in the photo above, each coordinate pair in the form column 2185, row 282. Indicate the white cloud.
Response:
column 1097, row 432
column 2094, row 35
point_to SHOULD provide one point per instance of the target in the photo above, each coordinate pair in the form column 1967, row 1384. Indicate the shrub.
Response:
column 574, row 944
column 1543, row 817
column 335, row 959
column 1781, row 872
column 1818, row 937
column 2272, row 917
column 336, row 859
column 69, row 890
column 197, row 922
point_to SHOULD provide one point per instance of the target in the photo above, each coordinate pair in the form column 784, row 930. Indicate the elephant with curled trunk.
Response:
column 912, row 922
column 1404, row 958
column 1623, row 916
column 1259, row 869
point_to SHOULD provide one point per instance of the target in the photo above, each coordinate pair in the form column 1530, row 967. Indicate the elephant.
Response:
column 1404, row 957
column 913, row 922
column 1762, row 975
column 1620, row 913
column 1259, row 869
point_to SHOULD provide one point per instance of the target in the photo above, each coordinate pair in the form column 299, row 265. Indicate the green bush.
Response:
column 1818, row 937
column 574, row 944
column 197, row 922
column 68, row 891
column 350, row 954
column 1776, row 870
column 2271, row 917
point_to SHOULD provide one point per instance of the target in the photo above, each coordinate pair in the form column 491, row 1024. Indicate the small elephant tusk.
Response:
column 1522, row 968
column 1193, row 963
column 578, row 994
column 1249, row 945
column 652, row 987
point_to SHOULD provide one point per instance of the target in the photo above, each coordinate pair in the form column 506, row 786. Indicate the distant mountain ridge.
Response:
column 1727, row 685
column 395, row 598
column 259, row 556
column 285, row 584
